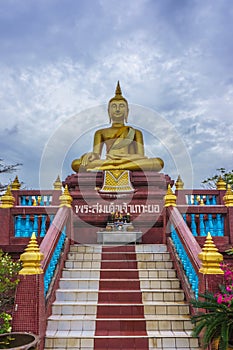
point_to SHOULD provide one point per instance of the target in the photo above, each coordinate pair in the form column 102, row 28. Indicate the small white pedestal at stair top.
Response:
column 118, row 237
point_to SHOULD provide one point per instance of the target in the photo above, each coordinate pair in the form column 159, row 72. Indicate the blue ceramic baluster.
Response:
column 23, row 200
column 193, row 225
column 219, row 226
column 189, row 199
column 18, row 226
column 43, row 225
column 27, row 226
column 51, row 218
column 35, row 224
column 202, row 225
column 214, row 200
column 210, row 225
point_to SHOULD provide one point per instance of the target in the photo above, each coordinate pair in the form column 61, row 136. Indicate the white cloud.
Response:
column 176, row 62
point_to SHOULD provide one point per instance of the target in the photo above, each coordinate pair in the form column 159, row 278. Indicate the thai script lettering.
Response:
column 123, row 208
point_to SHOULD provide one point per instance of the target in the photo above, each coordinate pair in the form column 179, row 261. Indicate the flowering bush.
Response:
column 217, row 320
column 8, row 281
column 225, row 293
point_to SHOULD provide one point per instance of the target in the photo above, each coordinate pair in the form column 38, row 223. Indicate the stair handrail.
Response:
column 191, row 248
column 56, row 235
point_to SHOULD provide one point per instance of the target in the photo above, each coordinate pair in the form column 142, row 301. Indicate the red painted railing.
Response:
column 191, row 250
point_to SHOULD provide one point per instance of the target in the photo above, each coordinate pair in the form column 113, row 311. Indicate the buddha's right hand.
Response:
column 88, row 158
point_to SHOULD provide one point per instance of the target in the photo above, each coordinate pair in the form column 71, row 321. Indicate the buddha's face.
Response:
column 118, row 111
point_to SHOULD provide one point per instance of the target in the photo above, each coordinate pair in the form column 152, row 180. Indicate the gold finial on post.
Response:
column 65, row 198
column 228, row 198
column 57, row 185
column 31, row 258
column 221, row 184
column 15, row 186
column 7, row 200
column 170, row 198
column 210, row 258
column 179, row 183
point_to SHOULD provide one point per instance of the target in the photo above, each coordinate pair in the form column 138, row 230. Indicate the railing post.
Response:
column 221, row 187
column 29, row 308
column 7, row 202
column 15, row 187
column 230, row 224
column 228, row 201
column 57, row 191
column 5, row 218
column 169, row 201
column 210, row 273
column 179, row 192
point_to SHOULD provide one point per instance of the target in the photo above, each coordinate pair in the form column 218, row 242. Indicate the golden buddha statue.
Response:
column 124, row 144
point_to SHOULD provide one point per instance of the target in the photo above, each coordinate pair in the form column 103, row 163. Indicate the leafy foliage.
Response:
column 216, row 323
column 7, row 169
column 227, row 176
column 5, row 322
column 217, row 320
column 8, row 281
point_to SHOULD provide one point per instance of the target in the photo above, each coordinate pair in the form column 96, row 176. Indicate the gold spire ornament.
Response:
column 15, row 186
column 210, row 258
column 179, row 183
column 228, row 198
column 31, row 258
column 57, row 185
column 7, row 200
column 170, row 198
column 65, row 198
column 221, row 184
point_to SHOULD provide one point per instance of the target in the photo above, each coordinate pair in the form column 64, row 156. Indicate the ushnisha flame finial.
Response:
column 118, row 94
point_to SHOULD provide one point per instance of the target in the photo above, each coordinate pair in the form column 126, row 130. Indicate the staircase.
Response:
column 119, row 298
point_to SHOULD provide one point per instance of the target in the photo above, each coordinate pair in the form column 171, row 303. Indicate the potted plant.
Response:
column 18, row 340
column 214, row 321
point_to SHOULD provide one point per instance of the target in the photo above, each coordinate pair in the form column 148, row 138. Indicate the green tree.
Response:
column 7, row 169
column 8, row 281
column 227, row 176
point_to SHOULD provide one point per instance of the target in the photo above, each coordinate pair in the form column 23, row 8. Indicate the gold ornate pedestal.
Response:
column 116, row 181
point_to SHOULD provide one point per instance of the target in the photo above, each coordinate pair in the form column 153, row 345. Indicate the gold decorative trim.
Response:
column 116, row 181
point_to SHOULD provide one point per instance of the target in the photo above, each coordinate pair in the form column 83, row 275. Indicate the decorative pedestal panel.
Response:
column 119, row 238
column 92, row 207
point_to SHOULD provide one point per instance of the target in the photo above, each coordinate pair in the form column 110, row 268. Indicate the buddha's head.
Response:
column 118, row 109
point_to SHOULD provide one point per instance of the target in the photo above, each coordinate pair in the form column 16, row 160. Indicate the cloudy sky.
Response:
column 60, row 61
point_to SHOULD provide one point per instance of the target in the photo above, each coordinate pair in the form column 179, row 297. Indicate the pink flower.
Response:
column 219, row 299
